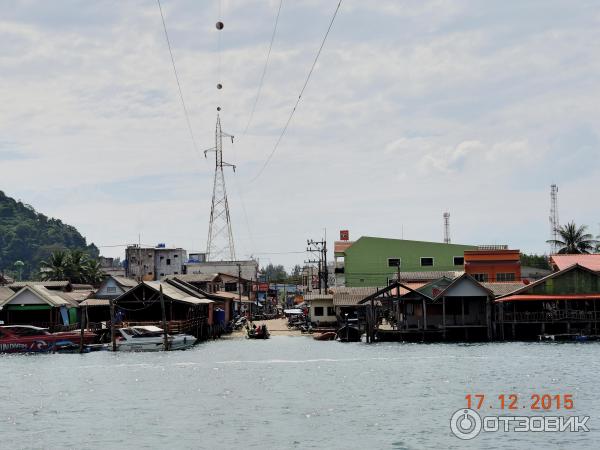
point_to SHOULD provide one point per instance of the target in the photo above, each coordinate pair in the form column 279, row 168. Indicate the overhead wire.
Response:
column 262, row 77
column 312, row 68
column 185, row 110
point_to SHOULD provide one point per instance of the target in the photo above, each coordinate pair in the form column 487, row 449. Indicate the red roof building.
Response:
column 561, row 262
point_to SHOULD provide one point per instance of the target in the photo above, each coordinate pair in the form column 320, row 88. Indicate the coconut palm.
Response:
column 55, row 267
column 93, row 272
column 574, row 239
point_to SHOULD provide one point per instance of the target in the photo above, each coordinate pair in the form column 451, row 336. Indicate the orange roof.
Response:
column 525, row 297
column 591, row 262
column 341, row 246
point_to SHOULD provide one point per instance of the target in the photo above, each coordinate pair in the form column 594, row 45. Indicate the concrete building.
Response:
column 373, row 261
column 494, row 263
column 153, row 263
column 249, row 268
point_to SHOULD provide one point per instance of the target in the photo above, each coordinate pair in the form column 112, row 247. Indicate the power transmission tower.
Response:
column 220, row 237
column 554, row 223
column 447, row 228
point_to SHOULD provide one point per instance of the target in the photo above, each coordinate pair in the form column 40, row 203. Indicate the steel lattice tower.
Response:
column 447, row 228
column 554, row 223
column 220, row 237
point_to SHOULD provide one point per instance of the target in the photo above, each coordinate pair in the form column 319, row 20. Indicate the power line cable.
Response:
column 262, row 77
column 187, row 116
column 312, row 68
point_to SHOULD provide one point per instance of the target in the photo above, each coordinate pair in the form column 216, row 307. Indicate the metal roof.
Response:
column 95, row 302
column 351, row 296
column 234, row 296
column 309, row 296
column 49, row 297
column 591, row 262
column 20, row 284
column 125, row 282
column 194, row 277
column 5, row 293
column 429, row 275
column 174, row 293
column 502, row 288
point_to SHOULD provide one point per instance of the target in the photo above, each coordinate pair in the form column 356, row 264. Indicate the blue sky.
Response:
column 414, row 108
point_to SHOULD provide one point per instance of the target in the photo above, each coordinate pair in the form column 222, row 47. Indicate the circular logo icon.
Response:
column 465, row 424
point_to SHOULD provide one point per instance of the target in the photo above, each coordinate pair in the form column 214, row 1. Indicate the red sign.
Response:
column 260, row 287
column 344, row 235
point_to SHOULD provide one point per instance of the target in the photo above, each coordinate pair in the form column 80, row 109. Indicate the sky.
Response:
column 414, row 108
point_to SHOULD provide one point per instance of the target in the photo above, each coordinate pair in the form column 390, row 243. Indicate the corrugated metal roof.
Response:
column 502, row 288
column 406, row 277
column 20, row 284
column 351, row 296
column 5, row 293
column 49, row 297
column 95, row 302
column 176, row 294
column 195, row 277
column 125, row 282
column 234, row 296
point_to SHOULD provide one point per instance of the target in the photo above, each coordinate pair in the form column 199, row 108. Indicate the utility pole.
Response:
column 320, row 249
column 239, row 288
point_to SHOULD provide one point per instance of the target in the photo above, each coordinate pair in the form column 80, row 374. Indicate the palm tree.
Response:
column 574, row 239
column 55, row 267
column 93, row 272
column 19, row 266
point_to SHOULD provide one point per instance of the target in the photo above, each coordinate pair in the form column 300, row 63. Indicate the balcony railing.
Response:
column 551, row 316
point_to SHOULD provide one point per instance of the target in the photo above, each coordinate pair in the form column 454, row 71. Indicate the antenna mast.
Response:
column 220, row 236
column 446, row 228
column 554, row 223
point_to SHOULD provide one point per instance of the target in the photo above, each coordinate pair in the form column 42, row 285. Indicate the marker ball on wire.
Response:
column 219, row 86
column 218, row 108
column 220, row 25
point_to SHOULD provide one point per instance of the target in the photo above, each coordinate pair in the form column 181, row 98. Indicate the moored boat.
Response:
column 327, row 336
column 349, row 333
column 149, row 338
column 30, row 339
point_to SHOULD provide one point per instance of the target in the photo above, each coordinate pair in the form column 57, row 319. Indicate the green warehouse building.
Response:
column 372, row 261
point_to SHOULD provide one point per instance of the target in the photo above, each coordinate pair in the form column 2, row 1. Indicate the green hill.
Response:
column 31, row 237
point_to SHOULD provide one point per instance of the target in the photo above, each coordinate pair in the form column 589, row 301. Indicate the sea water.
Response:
column 292, row 392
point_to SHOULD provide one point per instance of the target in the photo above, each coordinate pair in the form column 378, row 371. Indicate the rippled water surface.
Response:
column 288, row 392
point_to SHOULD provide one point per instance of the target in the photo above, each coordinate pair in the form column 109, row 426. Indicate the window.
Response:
column 230, row 287
column 162, row 274
column 505, row 277
column 393, row 262
column 175, row 256
column 319, row 311
column 330, row 311
column 481, row 277
column 162, row 257
column 176, row 273
column 149, row 273
column 459, row 260
column 111, row 289
column 168, row 261
column 427, row 262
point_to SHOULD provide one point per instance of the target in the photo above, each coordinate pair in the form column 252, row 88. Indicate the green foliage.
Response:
column 73, row 265
column 573, row 239
column 274, row 273
column 537, row 261
column 31, row 237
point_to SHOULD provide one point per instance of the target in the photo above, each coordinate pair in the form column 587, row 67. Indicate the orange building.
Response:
column 493, row 264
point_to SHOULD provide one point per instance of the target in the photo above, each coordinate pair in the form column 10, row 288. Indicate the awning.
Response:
column 526, row 298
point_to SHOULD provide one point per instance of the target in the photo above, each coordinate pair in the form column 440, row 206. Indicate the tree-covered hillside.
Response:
column 31, row 237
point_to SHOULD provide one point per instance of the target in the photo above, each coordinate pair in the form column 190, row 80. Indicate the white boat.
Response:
column 151, row 339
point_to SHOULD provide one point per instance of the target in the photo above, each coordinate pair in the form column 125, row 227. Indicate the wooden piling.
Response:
column 164, row 320
column 113, row 338
column 82, row 331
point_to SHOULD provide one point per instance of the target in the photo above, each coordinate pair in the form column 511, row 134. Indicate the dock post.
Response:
column 112, row 326
column 164, row 320
column 81, row 332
